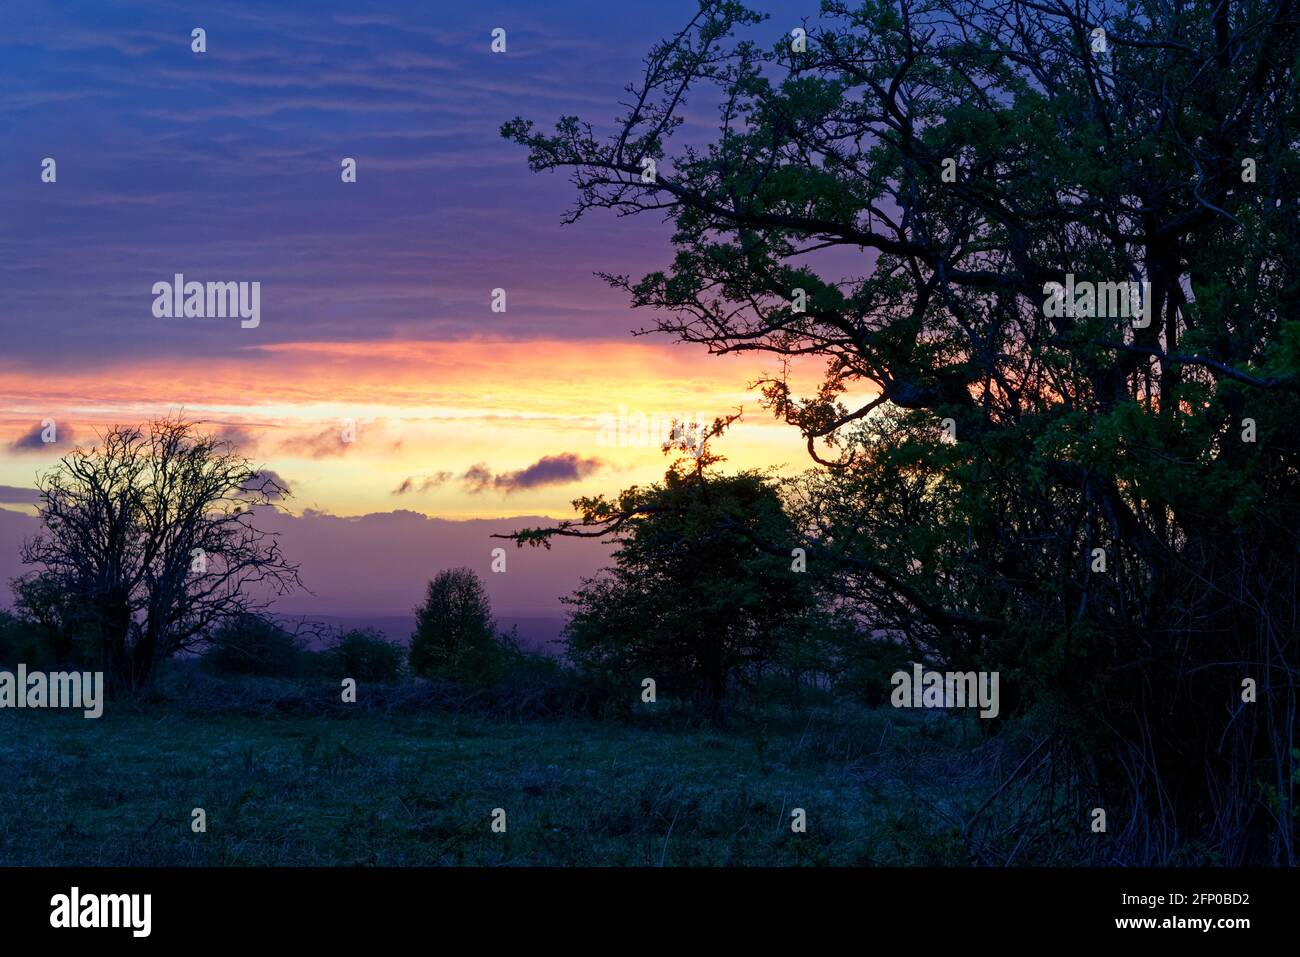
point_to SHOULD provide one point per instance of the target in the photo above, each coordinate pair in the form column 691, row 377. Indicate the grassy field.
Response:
column 299, row 785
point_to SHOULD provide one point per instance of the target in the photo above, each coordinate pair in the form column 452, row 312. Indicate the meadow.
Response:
column 287, row 775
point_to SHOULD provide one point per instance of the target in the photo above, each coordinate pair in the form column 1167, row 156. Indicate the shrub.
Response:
column 364, row 654
column 253, row 645
column 19, row 641
column 48, row 627
column 693, row 607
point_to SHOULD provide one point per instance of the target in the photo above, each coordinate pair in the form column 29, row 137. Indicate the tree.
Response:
column 17, row 641
column 705, row 589
column 908, row 196
column 58, row 626
column 455, row 634
column 253, row 644
column 150, row 536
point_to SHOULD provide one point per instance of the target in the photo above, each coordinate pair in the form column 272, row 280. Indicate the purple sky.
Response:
column 224, row 166
column 219, row 164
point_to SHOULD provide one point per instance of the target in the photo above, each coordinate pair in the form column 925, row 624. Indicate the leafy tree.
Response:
column 455, row 634
column 149, row 536
column 897, row 197
column 704, row 589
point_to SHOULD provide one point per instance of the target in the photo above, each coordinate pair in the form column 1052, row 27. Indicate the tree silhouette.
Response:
column 1100, row 496
column 685, row 603
column 150, row 535
column 455, row 634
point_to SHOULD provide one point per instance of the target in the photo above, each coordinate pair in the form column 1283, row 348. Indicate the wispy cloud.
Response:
column 426, row 483
column 326, row 443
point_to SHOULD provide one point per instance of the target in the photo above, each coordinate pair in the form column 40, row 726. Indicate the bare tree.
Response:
column 151, row 533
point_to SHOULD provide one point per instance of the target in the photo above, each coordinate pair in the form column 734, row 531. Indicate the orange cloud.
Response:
column 422, row 408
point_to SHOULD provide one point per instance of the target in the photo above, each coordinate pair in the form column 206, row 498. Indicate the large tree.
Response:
column 150, row 535
column 895, row 193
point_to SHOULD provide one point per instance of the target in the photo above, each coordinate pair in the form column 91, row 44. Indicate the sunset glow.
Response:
column 422, row 409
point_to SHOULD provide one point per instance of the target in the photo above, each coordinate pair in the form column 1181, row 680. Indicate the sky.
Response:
column 378, row 379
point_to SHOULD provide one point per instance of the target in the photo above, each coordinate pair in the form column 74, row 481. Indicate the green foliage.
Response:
column 702, row 592
column 455, row 634
column 50, row 626
column 19, row 641
column 1073, row 431
column 364, row 654
column 253, row 645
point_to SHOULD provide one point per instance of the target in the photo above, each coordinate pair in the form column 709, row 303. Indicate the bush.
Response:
column 455, row 635
column 47, row 627
column 253, row 645
column 364, row 654
column 19, row 641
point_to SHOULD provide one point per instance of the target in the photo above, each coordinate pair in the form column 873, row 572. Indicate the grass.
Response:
column 333, row 786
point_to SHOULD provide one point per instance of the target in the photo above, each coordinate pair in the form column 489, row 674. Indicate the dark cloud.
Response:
column 412, row 97
column 238, row 438
column 417, row 484
column 477, row 478
column 33, row 440
column 268, row 483
column 548, row 470
column 11, row 495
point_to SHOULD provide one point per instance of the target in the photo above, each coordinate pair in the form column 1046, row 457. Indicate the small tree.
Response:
column 18, row 642
column 150, row 536
column 705, row 587
column 455, row 635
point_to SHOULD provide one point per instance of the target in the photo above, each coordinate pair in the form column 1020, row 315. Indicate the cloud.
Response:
column 548, row 470
column 12, row 495
column 415, row 483
column 238, row 438
column 477, row 478
column 268, row 484
column 33, row 440
column 337, row 440
column 317, row 445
